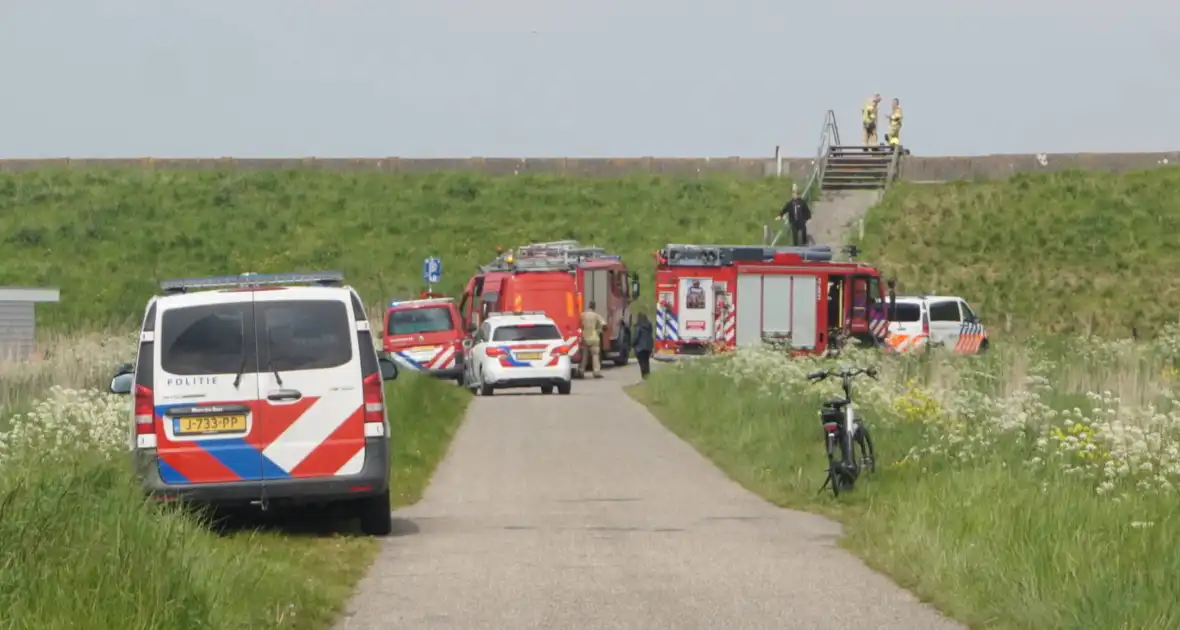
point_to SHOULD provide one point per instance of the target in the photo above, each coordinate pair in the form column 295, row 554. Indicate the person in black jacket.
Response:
column 643, row 343
column 797, row 215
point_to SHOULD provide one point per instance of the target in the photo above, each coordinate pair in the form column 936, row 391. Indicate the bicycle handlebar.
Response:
column 843, row 372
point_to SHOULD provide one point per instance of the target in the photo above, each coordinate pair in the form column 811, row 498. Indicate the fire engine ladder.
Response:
column 571, row 250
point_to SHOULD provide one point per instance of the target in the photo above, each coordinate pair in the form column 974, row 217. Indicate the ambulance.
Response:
column 721, row 297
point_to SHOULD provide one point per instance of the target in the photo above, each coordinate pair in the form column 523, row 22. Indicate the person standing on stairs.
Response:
column 893, row 136
column 797, row 215
column 868, row 119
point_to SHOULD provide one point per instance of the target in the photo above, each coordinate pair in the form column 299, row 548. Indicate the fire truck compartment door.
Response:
column 749, row 310
column 695, row 314
column 774, row 305
column 804, row 292
column 597, row 290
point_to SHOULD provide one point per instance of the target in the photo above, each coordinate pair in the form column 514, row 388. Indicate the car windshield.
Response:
column 907, row 312
column 527, row 332
column 415, row 321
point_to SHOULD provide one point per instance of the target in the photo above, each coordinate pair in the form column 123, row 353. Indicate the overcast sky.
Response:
column 437, row 78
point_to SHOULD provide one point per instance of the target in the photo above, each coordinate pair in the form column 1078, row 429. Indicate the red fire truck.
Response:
column 558, row 278
column 727, row 296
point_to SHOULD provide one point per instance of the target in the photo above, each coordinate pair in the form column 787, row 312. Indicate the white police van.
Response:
column 261, row 389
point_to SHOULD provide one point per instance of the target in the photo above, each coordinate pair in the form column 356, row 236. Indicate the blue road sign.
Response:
column 432, row 270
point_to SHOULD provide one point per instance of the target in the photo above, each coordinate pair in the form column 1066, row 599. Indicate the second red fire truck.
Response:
column 560, row 278
column 727, row 296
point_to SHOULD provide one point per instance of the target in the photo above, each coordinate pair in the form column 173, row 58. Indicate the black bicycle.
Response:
column 844, row 430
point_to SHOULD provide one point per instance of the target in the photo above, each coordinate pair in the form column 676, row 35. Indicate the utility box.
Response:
column 18, row 319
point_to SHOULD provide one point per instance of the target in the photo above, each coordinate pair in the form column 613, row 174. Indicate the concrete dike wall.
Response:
column 913, row 168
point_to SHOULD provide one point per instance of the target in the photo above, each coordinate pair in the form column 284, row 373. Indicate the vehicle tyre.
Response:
column 983, row 346
column 546, row 389
column 376, row 515
column 564, row 388
column 624, row 353
column 848, row 465
column 486, row 390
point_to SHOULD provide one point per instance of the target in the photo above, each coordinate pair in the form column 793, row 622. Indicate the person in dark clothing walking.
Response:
column 797, row 215
column 643, row 343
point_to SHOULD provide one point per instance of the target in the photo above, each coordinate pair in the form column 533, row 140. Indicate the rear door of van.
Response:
column 309, row 383
column 204, row 389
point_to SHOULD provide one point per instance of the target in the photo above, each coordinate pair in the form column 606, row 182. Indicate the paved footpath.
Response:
column 582, row 512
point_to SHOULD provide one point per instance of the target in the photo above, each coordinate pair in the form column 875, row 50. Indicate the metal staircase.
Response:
column 842, row 181
column 859, row 168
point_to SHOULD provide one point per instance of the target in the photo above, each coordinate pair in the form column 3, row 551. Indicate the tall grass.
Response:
column 1055, row 253
column 1031, row 488
column 80, row 547
column 106, row 237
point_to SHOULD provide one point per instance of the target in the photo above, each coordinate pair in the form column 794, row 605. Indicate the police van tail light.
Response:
column 497, row 352
column 559, row 351
column 145, row 417
column 374, row 405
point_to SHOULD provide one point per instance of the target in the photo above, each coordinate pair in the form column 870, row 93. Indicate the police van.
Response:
column 919, row 321
column 259, row 390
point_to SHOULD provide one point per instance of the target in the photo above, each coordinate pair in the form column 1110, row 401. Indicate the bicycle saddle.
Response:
column 835, row 403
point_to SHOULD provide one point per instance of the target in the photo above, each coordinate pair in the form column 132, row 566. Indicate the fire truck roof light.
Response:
column 183, row 285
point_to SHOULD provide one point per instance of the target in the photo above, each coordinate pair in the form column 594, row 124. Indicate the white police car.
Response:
column 514, row 350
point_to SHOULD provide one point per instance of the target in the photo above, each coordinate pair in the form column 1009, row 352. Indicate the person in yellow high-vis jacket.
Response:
column 893, row 136
column 868, row 119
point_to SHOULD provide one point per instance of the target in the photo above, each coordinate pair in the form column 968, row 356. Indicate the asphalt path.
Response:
column 583, row 512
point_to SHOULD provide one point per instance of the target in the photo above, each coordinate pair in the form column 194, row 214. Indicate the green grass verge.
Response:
column 1064, row 252
column 80, row 548
column 973, row 526
column 130, row 228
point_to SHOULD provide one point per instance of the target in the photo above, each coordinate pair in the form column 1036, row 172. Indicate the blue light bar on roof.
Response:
column 180, row 285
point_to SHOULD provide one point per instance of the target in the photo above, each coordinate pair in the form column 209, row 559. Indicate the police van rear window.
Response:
column 283, row 336
column 207, row 339
column 415, row 321
column 529, row 332
column 303, row 335
column 907, row 312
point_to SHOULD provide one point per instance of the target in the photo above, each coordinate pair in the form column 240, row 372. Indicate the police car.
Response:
column 935, row 320
column 261, row 389
column 514, row 350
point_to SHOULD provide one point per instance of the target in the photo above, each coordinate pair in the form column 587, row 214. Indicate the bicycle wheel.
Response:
column 868, row 454
column 834, row 476
column 850, row 469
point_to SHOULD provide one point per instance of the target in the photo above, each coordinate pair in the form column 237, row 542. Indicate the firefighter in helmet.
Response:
column 868, row 120
column 893, row 136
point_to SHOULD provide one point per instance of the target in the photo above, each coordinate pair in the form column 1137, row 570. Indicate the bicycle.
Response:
column 843, row 430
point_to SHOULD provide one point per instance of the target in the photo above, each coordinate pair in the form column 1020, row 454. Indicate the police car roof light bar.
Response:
column 183, row 285
column 515, row 313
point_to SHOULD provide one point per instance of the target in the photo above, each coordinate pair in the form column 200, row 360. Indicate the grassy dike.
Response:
column 106, row 237
column 1058, row 253
column 80, row 548
column 994, row 499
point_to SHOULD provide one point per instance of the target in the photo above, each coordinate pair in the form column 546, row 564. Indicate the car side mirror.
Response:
column 467, row 343
column 388, row 368
column 122, row 383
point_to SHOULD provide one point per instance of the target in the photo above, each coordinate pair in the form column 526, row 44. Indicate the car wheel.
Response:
column 564, row 388
column 376, row 515
column 486, row 390
column 546, row 389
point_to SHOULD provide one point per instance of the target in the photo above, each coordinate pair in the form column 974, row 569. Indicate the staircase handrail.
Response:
column 829, row 136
